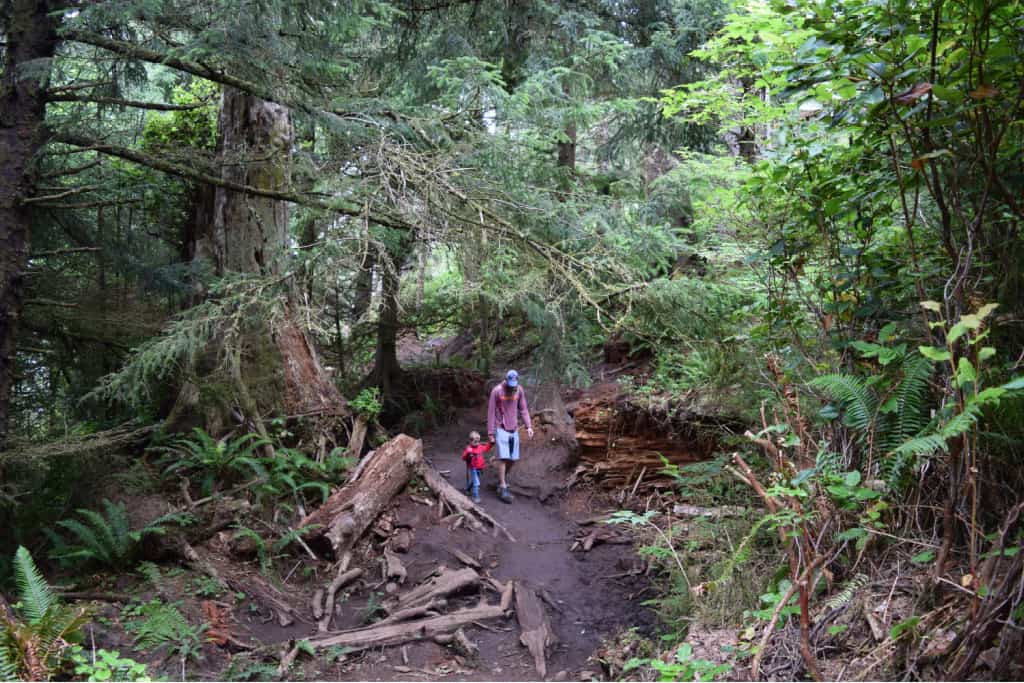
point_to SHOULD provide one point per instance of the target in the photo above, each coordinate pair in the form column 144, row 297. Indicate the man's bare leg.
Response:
column 502, row 464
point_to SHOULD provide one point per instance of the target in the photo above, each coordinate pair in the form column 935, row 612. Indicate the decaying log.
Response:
column 684, row 510
column 347, row 513
column 458, row 502
column 618, row 440
column 445, row 583
column 534, row 626
column 405, row 631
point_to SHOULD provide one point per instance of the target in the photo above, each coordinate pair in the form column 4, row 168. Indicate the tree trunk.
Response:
column 30, row 32
column 250, row 234
column 386, row 370
column 277, row 370
column 567, row 150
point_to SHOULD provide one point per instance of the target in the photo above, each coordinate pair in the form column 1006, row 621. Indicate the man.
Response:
column 506, row 404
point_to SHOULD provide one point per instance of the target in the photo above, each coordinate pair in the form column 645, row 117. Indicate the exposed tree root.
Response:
column 393, row 633
column 458, row 502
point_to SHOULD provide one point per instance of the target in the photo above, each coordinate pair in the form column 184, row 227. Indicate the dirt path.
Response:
column 587, row 601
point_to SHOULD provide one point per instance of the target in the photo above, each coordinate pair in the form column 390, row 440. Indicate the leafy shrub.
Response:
column 108, row 666
column 215, row 460
column 34, row 644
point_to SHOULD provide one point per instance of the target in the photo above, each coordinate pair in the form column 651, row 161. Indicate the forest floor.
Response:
column 589, row 597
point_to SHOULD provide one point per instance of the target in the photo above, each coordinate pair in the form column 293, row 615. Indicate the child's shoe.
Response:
column 476, row 498
column 504, row 495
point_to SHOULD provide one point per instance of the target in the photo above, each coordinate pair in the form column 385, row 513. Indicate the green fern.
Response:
column 157, row 624
column 34, row 646
column 107, row 539
column 36, row 597
column 910, row 399
column 8, row 669
column 853, row 396
column 848, row 591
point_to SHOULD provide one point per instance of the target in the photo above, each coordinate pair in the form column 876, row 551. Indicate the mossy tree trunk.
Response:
column 30, row 39
column 276, row 369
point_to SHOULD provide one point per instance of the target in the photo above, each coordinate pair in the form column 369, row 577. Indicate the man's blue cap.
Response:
column 512, row 378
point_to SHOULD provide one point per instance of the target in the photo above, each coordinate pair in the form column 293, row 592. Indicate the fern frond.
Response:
column 106, row 540
column 848, row 591
column 90, row 544
column 157, row 624
column 35, row 594
column 8, row 669
column 853, row 396
column 911, row 397
column 921, row 446
column 120, row 527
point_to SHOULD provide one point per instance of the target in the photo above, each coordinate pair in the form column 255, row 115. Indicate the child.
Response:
column 473, row 456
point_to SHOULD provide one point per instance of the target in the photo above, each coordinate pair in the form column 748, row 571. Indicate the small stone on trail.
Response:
column 391, row 588
column 561, row 675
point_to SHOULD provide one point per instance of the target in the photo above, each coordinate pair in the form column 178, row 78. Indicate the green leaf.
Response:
column 923, row 558
column 965, row 372
column 903, row 627
column 986, row 310
column 956, row 331
column 852, row 478
column 935, row 353
column 986, row 353
column 934, row 306
column 836, row 629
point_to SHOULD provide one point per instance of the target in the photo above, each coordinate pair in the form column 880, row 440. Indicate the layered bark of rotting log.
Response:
column 534, row 626
column 623, row 445
column 350, row 510
column 446, row 583
column 395, row 633
column 459, row 503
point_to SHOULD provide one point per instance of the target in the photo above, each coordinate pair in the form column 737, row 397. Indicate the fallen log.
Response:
column 459, row 503
column 619, row 439
column 684, row 510
column 350, row 510
column 446, row 583
column 534, row 626
column 405, row 631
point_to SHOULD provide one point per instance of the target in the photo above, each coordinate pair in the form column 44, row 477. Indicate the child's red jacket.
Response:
column 473, row 456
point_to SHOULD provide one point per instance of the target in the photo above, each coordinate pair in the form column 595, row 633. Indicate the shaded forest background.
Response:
column 799, row 217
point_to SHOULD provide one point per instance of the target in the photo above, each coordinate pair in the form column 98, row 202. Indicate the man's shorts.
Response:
column 508, row 444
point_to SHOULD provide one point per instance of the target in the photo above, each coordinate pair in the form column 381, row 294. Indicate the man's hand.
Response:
column 529, row 432
column 490, row 437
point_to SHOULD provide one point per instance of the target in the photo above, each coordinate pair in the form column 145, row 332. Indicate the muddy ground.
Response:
column 588, row 598
column 591, row 595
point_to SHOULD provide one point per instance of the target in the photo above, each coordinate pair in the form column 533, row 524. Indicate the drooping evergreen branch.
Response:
column 209, row 178
column 117, row 101
column 144, row 54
